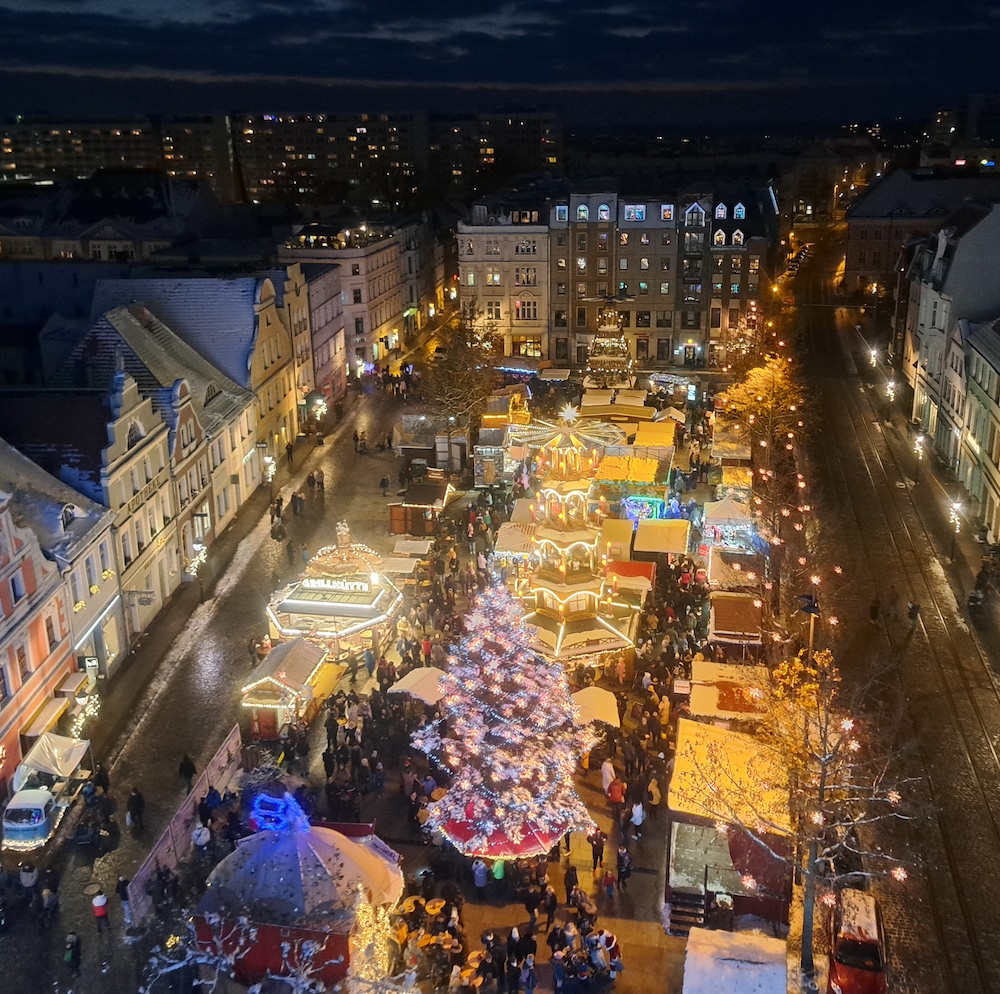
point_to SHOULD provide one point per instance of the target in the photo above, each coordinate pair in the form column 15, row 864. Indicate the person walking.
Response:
column 135, row 807
column 529, row 981
column 186, row 771
column 384, row 484
column 290, row 552
column 320, row 480
column 638, row 817
column 624, row 867
column 289, row 448
column 121, row 889
column 550, row 904
column 913, row 614
column 616, row 797
column 480, row 877
column 73, row 955
column 572, row 880
column 304, row 552
column 99, row 902
column 597, row 840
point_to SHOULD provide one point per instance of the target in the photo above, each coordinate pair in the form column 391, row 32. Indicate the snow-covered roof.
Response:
column 733, row 962
column 216, row 317
column 39, row 502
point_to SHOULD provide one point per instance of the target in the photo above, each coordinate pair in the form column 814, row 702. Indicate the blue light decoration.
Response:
column 638, row 508
column 278, row 814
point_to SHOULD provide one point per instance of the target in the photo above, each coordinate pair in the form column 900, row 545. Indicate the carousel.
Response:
column 341, row 602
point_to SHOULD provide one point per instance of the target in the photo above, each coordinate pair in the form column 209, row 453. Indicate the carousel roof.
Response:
column 571, row 433
column 578, row 636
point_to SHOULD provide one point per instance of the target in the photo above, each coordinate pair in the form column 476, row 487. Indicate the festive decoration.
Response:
column 609, row 361
column 508, row 739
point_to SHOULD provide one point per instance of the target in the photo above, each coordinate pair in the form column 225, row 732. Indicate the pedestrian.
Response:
column 102, row 779
column 624, row 867
column 121, row 889
column 607, row 774
column 304, row 552
column 384, row 484
column 572, row 880
column 356, row 437
column 638, row 817
column 480, row 877
column 73, row 954
column 288, row 452
column 609, row 882
column 311, row 481
column 99, row 902
column 135, row 807
column 320, row 480
column 186, row 772
column 532, row 900
column 528, row 979
column 913, row 614
column 290, row 552
column 616, row 797
column 550, row 904
column 558, row 970
column 597, row 839
column 873, row 610
column 654, row 796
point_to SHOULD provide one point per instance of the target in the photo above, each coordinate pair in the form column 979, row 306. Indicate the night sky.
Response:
column 632, row 62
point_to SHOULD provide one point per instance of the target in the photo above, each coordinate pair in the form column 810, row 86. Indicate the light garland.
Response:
column 508, row 738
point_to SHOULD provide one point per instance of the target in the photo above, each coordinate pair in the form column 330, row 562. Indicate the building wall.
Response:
column 328, row 340
column 272, row 376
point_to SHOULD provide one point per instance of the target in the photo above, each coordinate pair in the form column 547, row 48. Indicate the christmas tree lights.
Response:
column 508, row 738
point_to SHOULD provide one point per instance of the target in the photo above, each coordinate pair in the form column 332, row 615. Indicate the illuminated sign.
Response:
column 324, row 583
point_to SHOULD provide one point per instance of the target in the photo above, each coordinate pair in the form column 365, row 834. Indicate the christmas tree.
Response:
column 508, row 738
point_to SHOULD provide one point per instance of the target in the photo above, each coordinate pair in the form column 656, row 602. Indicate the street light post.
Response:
column 956, row 520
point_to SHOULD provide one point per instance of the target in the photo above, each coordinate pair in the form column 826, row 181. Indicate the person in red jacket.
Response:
column 616, row 795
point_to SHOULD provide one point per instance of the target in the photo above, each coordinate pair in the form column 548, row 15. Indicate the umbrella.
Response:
column 596, row 704
column 421, row 682
column 283, row 875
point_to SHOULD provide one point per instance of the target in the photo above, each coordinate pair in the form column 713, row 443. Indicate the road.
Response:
column 885, row 530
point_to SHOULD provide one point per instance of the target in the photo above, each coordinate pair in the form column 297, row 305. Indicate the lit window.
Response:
column 719, row 238
column 623, row 238
column 737, row 237
column 635, row 212
column 644, row 263
column 643, row 289
column 470, row 278
column 734, row 288
column 666, row 212
column 581, row 264
column 604, row 213
column 583, row 213
column 739, row 212
column 720, row 212
column 623, row 287
column 562, row 213
column 623, row 263
column 664, row 288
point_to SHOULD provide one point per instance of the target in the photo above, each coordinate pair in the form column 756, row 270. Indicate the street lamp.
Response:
column 956, row 520
column 890, row 389
column 918, row 447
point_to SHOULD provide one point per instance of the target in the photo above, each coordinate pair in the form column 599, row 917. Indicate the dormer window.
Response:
column 694, row 216
column 604, row 213
column 739, row 212
column 720, row 212
column 719, row 238
column 68, row 514
column 583, row 213
column 211, row 391
column 737, row 237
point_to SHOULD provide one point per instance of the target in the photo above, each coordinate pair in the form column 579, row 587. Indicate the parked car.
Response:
column 29, row 819
column 858, row 960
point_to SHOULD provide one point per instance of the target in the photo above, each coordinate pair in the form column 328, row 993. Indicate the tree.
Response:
column 840, row 784
column 508, row 739
column 463, row 372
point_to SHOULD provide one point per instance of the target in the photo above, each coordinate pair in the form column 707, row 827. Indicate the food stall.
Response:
column 727, row 522
column 288, row 686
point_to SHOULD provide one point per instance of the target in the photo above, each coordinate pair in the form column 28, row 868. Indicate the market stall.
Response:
column 735, row 481
column 288, row 686
column 421, row 506
column 669, row 536
column 735, row 617
column 735, row 569
column 727, row 522
column 724, row 693
column 615, row 539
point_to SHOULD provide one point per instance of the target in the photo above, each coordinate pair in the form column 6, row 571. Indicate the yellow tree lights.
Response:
column 508, row 738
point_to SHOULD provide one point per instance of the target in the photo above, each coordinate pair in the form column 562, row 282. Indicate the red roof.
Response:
column 534, row 841
column 623, row 567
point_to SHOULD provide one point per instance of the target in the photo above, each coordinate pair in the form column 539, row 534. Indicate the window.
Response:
column 602, row 266
column 74, row 588
column 17, row 586
column 643, row 288
column 50, row 631
column 720, row 212
column 359, row 326
column 663, row 349
column 105, row 557
column 718, row 262
column 664, row 319
column 561, row 289
column 581, row 317
column 690, row 320
column 562, row 213
column 754, row 264
column 526, row 246
column 734, row 288
column 862, row 258
column 4, row 693
column 562, row 348
column 602, row 242
column 581, row 264
column 739, row 212
column 604, row 213
column 635, row 212
column 719, row 238
column 525, row 310
column 492, row 246
column 357, row 296
column 559, row 319
column 356, row 266
column 623, row 262
column 716, row 318
column 664, row 288
column 716, row 288
column 561, row 263
column 736, row 261
column 493, row 277
column 626, row 318
column 525, row 276
column 665, row 265
column 526, row 345
column 623, row 287
column 581, row 242
column 737, row 237
column 135, row 434
column 623, row 238
column 694, row 216
column 644, row 263
column 666, row 238
column 583, row 213
column 693, row 241
column 581, row 290
column 602, row 289
column 641, row 345
column 692, row 293
column 643, row 319
column 470, row 278
column 666, row 212
column 492, row 310
column 734, row 317
column 644, row 238
column 23, row 662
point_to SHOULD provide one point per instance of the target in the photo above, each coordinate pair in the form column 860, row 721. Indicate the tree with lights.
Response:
column 841, row 783
column 508, row 739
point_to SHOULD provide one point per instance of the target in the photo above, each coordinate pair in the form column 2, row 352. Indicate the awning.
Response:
column 555, row 374
column 70, row 684
column 412, row 547
column 616, row 532
column 58, row 755
column 46, row 717
column 399, row 566
column 665, row 535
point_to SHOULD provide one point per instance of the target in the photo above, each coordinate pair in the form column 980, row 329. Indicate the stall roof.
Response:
column 432, row 494
column 594, row 398
column 664, row 535
column 671, row 414
column 655, row 433
column 412, row 547
column 737, row 476
column 628, row 469
column 720, row 690
column 399, row 565
column 56, row 754
column 734, row 569
column 734, row 962
column 287, row 665
column 728, row 446
column 45, row 718
column 730, row 777
column 555, row 374
column 633, row 575
column 735, row 617
column 727, row 511
column 621, row 412
column 514, row 539
column 618, row 532
column 522, row 511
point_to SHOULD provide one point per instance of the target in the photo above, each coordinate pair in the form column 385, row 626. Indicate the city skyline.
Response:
column 717, row 63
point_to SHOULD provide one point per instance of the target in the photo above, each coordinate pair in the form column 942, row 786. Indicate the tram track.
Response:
column 860, row 463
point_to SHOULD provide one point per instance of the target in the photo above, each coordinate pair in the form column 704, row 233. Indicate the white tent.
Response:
column 421, row 682
column 514, row 539
column 727, row 511
column 597, row 704
column 670, row 413
column 56, row 755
